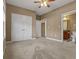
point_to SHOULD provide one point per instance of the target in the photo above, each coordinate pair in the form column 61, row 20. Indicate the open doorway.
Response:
column 69, row 26
column 43, row 29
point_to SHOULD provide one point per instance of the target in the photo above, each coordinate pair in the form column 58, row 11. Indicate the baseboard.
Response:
column 9, row 42
column 18, row 41
column 33, row 38
column 54, row 39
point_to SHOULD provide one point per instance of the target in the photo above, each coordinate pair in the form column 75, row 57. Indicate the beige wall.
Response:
column 54, row 20
column 13, row 9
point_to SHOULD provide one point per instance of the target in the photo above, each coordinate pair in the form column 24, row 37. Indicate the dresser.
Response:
column 66, row 34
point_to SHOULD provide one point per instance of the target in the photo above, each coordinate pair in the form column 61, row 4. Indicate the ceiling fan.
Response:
column 44, row 2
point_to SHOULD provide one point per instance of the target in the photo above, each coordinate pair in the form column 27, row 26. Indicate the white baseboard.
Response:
column 54, row 39
column 33, row 38
column 9, row 42
column 19, row 40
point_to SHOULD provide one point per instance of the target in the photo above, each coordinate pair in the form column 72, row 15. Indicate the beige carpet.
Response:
column 40, row 49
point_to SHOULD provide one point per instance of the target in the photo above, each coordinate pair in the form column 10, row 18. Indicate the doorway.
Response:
column 69, row 26
column 43, row 29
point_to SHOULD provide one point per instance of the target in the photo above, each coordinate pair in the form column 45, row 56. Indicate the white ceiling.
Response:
column 29, row 4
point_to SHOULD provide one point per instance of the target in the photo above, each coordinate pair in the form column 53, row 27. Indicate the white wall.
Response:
column 38, row 28
column 4, row 25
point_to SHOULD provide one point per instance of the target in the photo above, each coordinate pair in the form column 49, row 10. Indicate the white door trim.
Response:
column 45, row 27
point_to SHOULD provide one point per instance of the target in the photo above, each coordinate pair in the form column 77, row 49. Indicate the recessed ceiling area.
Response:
column 29, row 4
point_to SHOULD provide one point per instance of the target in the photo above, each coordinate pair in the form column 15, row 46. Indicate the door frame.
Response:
column 62, row 16
column 44, row 21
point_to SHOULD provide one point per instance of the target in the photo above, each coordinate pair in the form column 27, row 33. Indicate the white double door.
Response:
column 21, row 27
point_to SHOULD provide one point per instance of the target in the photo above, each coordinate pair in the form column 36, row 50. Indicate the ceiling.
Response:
column 29, row 4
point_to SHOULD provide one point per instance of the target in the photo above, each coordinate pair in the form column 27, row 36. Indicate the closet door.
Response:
column 28, row 28
column 21, row 27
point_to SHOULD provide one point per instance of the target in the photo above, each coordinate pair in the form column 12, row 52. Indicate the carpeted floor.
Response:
column 40, row 49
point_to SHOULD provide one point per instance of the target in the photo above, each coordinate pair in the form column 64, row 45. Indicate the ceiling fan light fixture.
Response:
column 42, row 4
column 45, row 3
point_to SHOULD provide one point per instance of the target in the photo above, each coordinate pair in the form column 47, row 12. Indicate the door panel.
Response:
column 21, row 27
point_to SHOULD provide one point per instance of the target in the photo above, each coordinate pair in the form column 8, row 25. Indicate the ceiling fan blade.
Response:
column 36, row 1
column 48, row 5
column 39, row 6
column 50, row 0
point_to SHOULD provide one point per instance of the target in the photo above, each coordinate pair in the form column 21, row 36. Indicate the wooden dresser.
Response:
column 66, row 34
